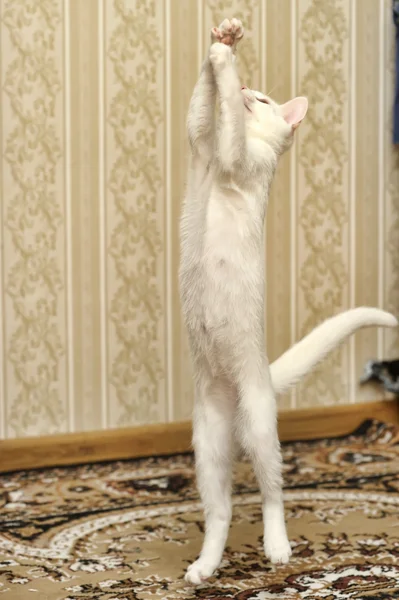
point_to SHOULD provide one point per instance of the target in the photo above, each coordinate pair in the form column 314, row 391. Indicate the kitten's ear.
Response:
column 294, row 111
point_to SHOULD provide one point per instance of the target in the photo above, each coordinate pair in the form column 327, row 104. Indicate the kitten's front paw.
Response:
column 198, row 572
column 220, row 55
column 228, row 32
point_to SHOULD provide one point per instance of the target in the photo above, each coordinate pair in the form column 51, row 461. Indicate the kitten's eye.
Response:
column 263, row 100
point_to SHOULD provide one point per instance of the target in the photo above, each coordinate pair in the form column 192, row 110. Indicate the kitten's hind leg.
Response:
column 213, row 424
column 257, row 427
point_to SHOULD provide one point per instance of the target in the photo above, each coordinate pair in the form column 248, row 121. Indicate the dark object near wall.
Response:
column 385, row 372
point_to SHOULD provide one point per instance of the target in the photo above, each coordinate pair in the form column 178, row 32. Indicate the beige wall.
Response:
column 92, row 108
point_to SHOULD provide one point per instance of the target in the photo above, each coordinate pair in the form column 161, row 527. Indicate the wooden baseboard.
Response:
column 172, row 438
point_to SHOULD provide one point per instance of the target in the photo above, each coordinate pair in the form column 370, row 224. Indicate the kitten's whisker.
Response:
column 272, row 90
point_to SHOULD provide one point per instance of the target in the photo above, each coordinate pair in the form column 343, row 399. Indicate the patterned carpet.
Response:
column 127, row 530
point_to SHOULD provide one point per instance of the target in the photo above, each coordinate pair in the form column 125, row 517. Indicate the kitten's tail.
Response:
column 299, row 360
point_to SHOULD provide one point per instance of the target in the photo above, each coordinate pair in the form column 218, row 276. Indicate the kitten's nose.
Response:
column 244, row 87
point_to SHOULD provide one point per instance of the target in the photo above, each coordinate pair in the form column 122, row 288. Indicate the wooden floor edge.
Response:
column 172, row 438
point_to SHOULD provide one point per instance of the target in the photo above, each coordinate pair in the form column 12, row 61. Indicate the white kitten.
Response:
column 222, row 294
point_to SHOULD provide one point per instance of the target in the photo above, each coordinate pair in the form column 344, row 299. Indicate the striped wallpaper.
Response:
column 93, row 99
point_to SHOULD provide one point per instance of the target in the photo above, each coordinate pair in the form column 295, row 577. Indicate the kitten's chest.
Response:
column 233, row 231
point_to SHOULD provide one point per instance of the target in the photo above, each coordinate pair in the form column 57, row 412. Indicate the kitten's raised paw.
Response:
column 220, row 55
column 278, row 552
column 228, row 32
column 199, row 572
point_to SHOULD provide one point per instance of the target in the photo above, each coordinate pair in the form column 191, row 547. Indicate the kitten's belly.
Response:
column 232, row 296
column 224, row 311
column 222, row 278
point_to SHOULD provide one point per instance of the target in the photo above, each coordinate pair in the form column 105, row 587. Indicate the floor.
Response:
column 127, row 530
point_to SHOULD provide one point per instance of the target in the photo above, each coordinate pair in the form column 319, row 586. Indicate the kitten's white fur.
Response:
column 222, row 294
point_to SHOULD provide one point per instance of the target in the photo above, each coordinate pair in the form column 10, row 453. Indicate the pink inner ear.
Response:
column 294, row 111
